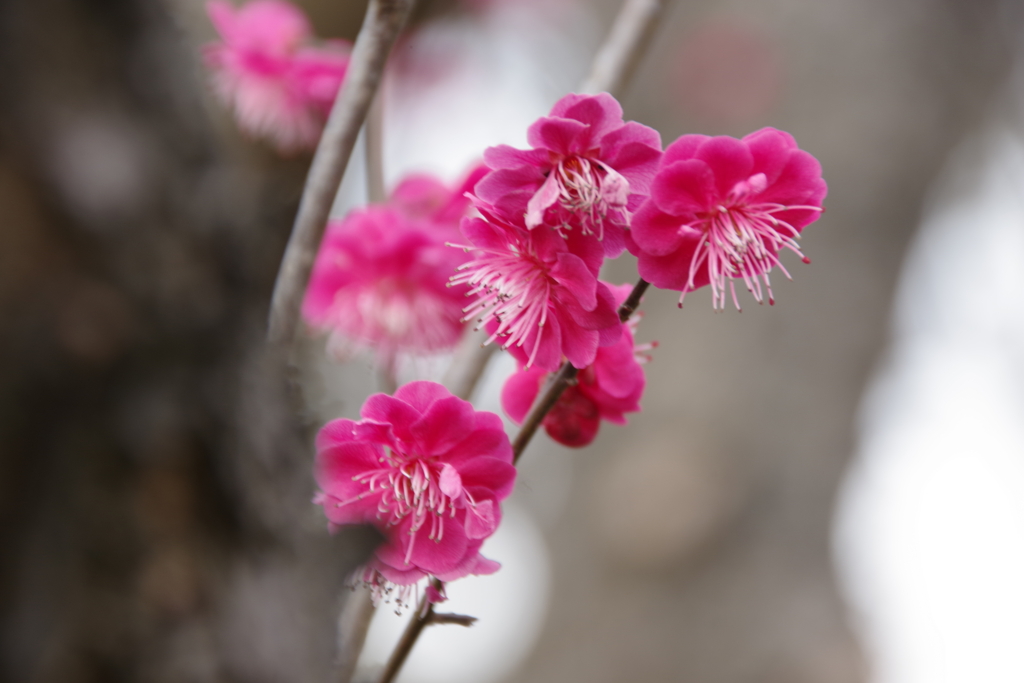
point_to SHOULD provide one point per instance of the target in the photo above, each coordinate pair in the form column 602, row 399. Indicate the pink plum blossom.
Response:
column 423, row 196
column 538, row 291
column 607, row 389
column 588, row 170
column 722, row 208
column 425, row 469
column 279, row 85
column 380, row 281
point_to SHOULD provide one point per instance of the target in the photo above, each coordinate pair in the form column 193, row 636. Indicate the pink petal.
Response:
column 398, row 576
column 480, row 522
column 493, row 187
column 444, row 424
column 450, row 482
column 473, row 564
column 572, row 274
column 381, row 408
column 488, row 420
column 335, row 432
column 419, row 195
column 490, row 443
column 682, row 149
column 435, row 596
column 672, row 271
column 545, row 197
column 730, row 160
column 495, row 477
column 420, row 395
column 578, row 344
column 520, row 391
column 655, row 232
column 574, row 420
column 601, row 113
column 770, row 149
column 483, row 566
column 684, row 188
column 616, row 369
column 558, row 135
column 504, row 156
column 566, row 102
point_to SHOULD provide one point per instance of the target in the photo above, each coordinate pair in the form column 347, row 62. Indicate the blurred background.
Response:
column 825, row 491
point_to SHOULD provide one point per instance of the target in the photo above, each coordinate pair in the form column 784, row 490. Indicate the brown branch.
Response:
column 450, row 618
column 353, row 625
column 556, row 387
column 613, row 67
column 384, row 20
column 375, row 190
column 469, row 363
column 625, row 46
column 424, row 615
column 566, row 375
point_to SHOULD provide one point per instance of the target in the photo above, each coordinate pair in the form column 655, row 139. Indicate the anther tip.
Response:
column 806, row 260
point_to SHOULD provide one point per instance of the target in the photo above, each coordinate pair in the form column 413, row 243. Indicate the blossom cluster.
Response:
column 429, row 471
column 381, row 277
column 537, row 226
column 267, row 68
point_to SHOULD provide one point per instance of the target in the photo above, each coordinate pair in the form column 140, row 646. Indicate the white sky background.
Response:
column 930, row 525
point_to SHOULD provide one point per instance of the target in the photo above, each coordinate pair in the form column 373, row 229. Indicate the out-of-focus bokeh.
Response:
column 155, row 484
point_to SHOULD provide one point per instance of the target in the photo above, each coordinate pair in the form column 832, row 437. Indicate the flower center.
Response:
column 742, row 239
column 513, row 288
column 394, row 315
column 585, row 192
column 409, row 486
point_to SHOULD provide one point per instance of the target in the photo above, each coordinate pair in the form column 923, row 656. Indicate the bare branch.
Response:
column 384, row 20
column 450, row 618
column 625, row 46
column 375, row 150
column 353, row 624
column 423, row 616
column 468, row 366
column 565, row 377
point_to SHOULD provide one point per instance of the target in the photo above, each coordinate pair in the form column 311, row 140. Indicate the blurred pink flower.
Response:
column 607, row 389
column 423, row 196
column 588, row 170
column 538, row 291
column 722, row 208
column 428, row 471
column 727, row 71
column 380, row 281
column 279, row 87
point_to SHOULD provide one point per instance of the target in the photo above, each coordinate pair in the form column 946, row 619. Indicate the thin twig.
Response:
column 556, row 387
column 452, row 618
column 563, row 379
column 469, row 363
column 384, row 20
column 353, row 624
column 613, row 67
column 423, row 616
column 625, row 46
column 628, row 307
column 375, row 150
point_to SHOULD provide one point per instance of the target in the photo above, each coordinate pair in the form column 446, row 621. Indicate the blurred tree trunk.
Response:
column 154, row 482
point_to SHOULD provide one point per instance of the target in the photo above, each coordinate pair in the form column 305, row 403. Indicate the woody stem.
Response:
column 421, row 618
column 384, row 20
column 563, row 378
